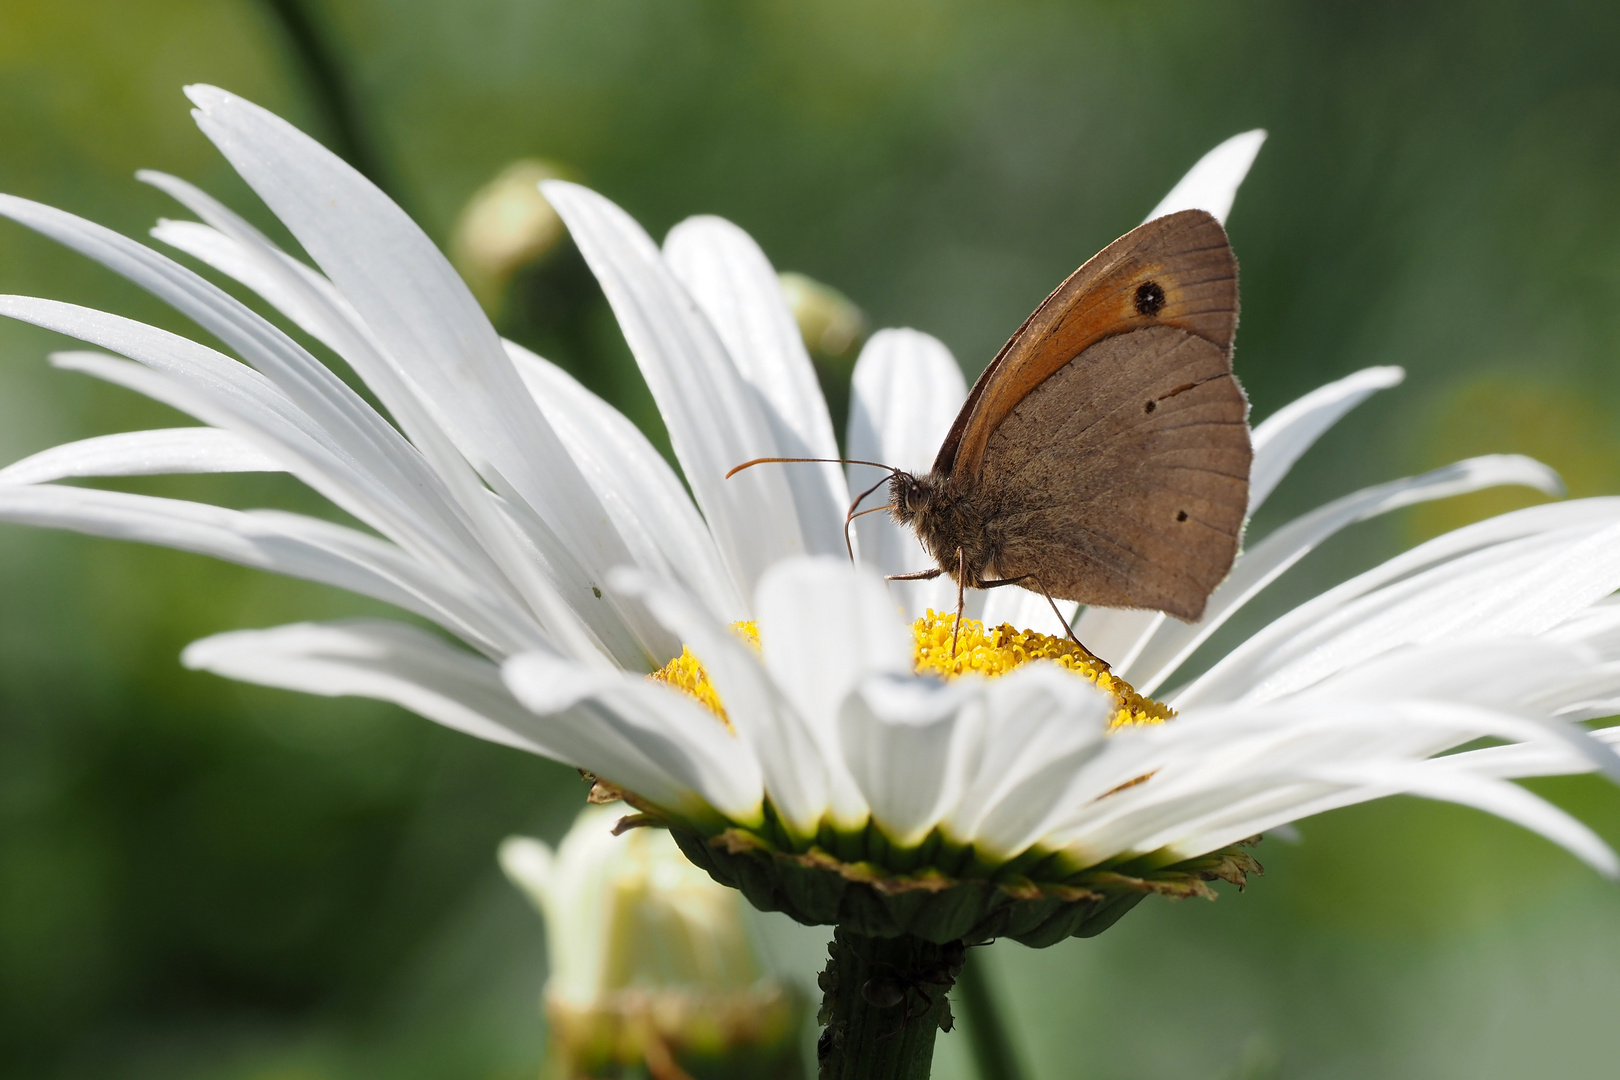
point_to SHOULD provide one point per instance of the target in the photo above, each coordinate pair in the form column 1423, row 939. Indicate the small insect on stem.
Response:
column 850, row 515
column 893, row 986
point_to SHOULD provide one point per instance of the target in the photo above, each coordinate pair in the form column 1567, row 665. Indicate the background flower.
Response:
column 652, row 965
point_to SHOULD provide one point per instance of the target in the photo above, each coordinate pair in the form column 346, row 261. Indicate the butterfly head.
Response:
column 911, row 497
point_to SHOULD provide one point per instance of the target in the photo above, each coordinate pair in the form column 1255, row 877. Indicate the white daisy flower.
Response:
column 528, row 519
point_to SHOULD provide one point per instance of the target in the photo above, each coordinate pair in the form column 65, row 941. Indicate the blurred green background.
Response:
column 200, row 879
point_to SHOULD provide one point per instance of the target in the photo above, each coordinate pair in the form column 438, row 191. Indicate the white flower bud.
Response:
column 650, row 959
column 505, row 226
column 830, row 322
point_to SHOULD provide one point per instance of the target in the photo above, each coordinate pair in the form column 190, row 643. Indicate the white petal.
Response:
column 1027, row 610
column 241, row 251
column 1226, row 773
column 1116, row 635
column 143, row 453
column 1212, row 184
column 714, row 417
column 1449, row 581
column 1211, row 750
column 908, row 744
column 424, row 316
column 735, row 285
column 236, row 248
column 1597, row 627
column 790, row 757
column 1327, row 787
column 1521, row 760
column 231, row 245
column 1042, row 724
column 906, row 391
column 1505, row 800
column 1287, row 433
column 237, row 260
column 642, row 736
column 375, row 658
column 281, row 543
column 825, row 628
column 226, row 394
column 654, row 514
column 350, row 426
column 1476, row 598
column 1262, row 564
column 1526, row 676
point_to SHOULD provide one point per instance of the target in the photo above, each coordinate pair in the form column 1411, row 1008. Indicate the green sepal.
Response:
column 816, row 888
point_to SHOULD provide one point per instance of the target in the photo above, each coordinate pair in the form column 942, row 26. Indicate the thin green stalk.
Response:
column 884, row 1003
column 329, row 88
column 993, row 1051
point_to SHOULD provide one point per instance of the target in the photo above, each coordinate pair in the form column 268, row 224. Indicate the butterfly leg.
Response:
column 961, row 579
column 920, row 575
column 1067, row 629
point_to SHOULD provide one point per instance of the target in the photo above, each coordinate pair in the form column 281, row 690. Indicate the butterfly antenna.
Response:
column 813, row 460
column 849, row 515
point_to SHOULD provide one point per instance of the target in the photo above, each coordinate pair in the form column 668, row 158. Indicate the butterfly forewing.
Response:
column 1122, row 478
column 1176, row 271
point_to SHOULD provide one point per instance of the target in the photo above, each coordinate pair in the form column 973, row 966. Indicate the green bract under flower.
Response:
column 938, row 889
column 862, row 894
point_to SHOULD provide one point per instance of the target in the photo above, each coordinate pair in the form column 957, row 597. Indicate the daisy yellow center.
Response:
column 685, row 673
column 988, row 652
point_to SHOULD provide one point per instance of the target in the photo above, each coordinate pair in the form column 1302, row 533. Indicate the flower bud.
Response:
column 504, row 227
column 652, row 965
column 832, row 326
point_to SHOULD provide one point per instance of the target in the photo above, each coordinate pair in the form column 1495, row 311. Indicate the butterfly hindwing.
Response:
column 1122, row 479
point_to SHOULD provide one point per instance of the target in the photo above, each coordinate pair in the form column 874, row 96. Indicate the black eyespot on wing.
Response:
column 1149, row 298
column 1150, row 406
column 1181, row 515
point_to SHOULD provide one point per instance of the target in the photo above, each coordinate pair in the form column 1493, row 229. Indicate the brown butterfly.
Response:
column 1103, row 455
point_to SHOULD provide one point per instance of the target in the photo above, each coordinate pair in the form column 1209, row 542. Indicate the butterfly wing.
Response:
column 1177, row 271
column 1123, row 478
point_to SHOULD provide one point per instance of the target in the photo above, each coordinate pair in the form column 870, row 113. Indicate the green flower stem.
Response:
column 884, row 1003
column 991, row 1042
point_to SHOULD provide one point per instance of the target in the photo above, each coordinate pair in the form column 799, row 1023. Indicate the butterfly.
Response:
column 1103, row 456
